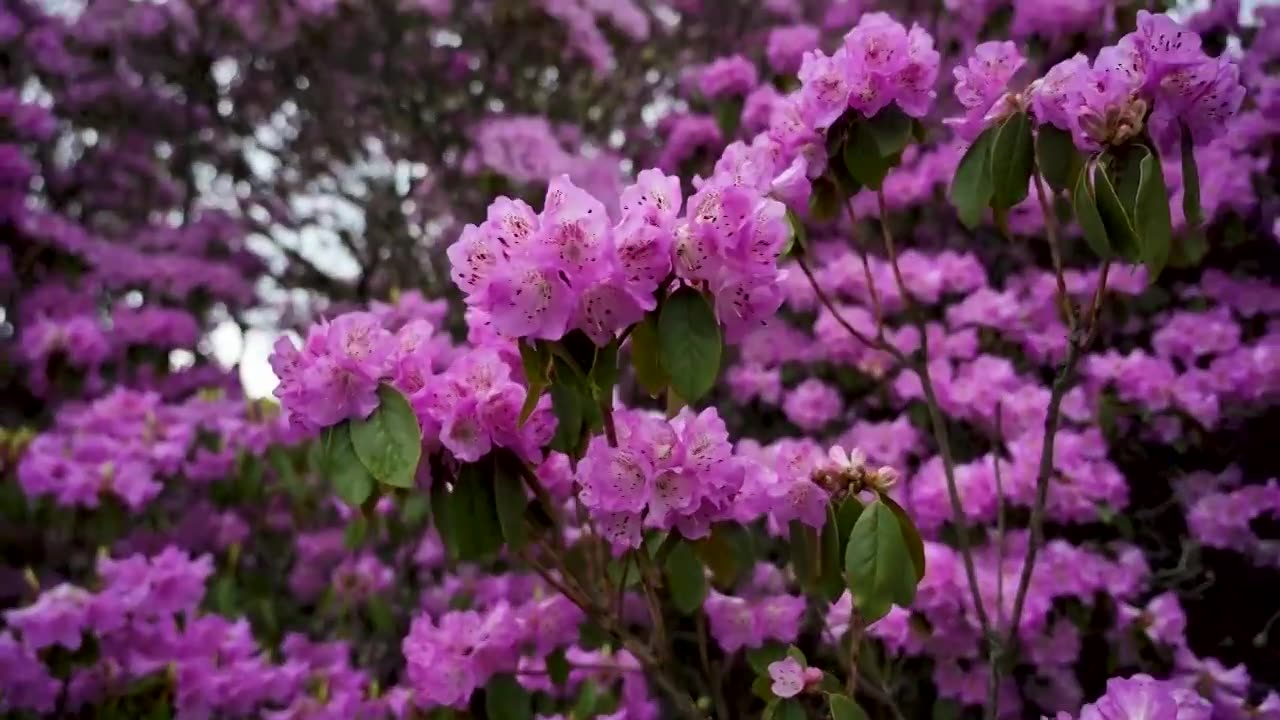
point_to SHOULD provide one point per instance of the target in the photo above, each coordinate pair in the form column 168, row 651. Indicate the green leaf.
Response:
column 1086, row 209
column 910, row 535
column 972, row 186
column 847, row 516
column 789, row 710
column 505, row 699
column 351, row 480
column 1056, row 154
column 689, row 343
column 891, row 129
column 604, row 371
column 510, row 501
column 568, row 405
column 862, row 157
column 806, row 555
column 798, row 237
column 1151, row 217
column 726, row 551
column 844, row 708
column 558, row 667
column 831, row 582
column 825, row 200
column 760, row 658
column 1012, row 159
column 356, row 531
column 763, row 688
column 1120, row 233
column 1189, row 248
column 644, row 357
column 1190, row 181
column 797, row 654
column 877, row 564
column 389, row 442
column 686, row 579
column 466, row 515
column 536, row 359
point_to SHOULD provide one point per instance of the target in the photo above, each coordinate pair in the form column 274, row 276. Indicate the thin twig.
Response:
column 856, row 627
column 876, row 307
column 1055, row 251
column 937, row 422
column 995, row 652
column 713, row 678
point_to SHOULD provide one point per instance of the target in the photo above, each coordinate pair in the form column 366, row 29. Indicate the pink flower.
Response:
column 788, row 677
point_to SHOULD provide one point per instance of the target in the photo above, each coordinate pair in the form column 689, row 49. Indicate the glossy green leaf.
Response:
column 1012, row 160
column 1151, row 217
column 536, row 361
column 567, row 402
column 389, row 442
column 644, row 357
column 466, row 515
column 831, row 578
column 863, row 160
column 844, row 708
column 798, row 242
column 604, row 371
column 891, row 129
column 558, row 667
column 505, row 699
column 910, row 535
column 686, row 579
column 824, row 200
column 1190, row 181
column 877, row 564
column 1086, row 210
column 806, row 555
column 351, row 480
column 762, row 688
column 760, row 658
column 790, row 709
column 1059, row 160
column 847, row 516
column 510, row 501
column 1189, row 248
column 1121, row 235
column 972, row 186
column 689, row 343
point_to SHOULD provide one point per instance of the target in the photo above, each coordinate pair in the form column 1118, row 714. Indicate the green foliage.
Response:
column 505, row 699
column 351, row 480
column 510, row 502
column 1059, row 161
column 1190, row 180
column 389, row 442
column 1012, row 161
column 1089, row 219
column 685, row 578
column 644, row 357
column 466, row 515
column 844, row 708
column 689, row 343
column 878, row 565
column 972, row 187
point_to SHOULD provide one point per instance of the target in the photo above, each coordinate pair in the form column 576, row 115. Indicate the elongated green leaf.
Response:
column 726, row 552
column 972, row 186
column 798, row 242
column 790, row 709
column 831, row 581
column 689, row 343
column 604, row 371
column 877, row 564
column 1151, row 217
column 806, row 555
column 536, row 360
column 1190, row 181
column 847, row 516
column 644, row 357
column 1189, row 248
column 389, row 442
column 844, row 708
column 1086, row 208
column 891, row 129
column 568, row 404
column 1012, row 159
column 505, row 699
column 824, row 200
column 686, row 579
column 863, row 160
column 510, row 501
column 910, row 535
column 760, row 658
column 1059, row 160
column 1120, row 233
column 350, row 479
column 467, row 515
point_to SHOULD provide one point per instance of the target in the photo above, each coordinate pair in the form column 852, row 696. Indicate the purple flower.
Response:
column 786, row 46
column 788, row 677
column 727, row 76
column 982, row 83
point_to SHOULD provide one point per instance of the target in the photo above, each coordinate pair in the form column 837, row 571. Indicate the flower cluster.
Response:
column 880, row 62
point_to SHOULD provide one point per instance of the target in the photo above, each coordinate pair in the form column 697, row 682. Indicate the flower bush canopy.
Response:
column 639, row 361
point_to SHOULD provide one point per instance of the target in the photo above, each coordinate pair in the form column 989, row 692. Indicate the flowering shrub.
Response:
column 987, row 295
